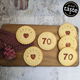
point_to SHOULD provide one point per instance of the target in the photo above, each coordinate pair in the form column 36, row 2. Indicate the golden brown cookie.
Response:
column 47, row 40
column 67, row 41
column 67, row 29
column 33, row 56
column 67, row 56
column 25, row 35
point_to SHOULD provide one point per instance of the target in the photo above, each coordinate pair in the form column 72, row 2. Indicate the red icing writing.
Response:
column 46, row 40
column 65, row 56
column 70, row 56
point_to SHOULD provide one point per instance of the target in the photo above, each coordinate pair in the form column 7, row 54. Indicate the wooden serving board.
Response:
column 50, row 58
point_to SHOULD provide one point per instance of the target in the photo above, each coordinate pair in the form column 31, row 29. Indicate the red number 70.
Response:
column 46, row 40
column 68, row 56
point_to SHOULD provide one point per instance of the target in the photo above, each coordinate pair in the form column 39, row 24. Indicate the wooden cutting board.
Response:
column 50, row 58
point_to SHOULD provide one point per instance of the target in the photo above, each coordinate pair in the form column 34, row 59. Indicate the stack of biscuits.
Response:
column 67, row 44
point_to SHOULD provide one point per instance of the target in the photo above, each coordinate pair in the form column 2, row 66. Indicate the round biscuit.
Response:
column 67, row 29
column 22, row 32
column 47, row 40
column 67, row 41
column 33, row 51
column 67, row 56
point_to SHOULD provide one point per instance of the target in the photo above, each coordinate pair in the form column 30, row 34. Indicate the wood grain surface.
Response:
column 50, row 58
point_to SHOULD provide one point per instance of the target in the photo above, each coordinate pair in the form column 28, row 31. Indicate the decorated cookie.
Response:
column 25, row 35
column 47, row 40
column 33, row 56
column 67, row 56
column 67, row 29
column 67, row 41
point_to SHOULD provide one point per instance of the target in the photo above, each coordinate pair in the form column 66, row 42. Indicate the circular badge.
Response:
column 70, row 9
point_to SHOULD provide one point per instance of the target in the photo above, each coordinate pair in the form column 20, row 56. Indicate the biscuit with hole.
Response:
column 25, row 35
column 67, row 29
column 33, row 56
column 67, row 41
column 47, row 40
column 67, row 56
